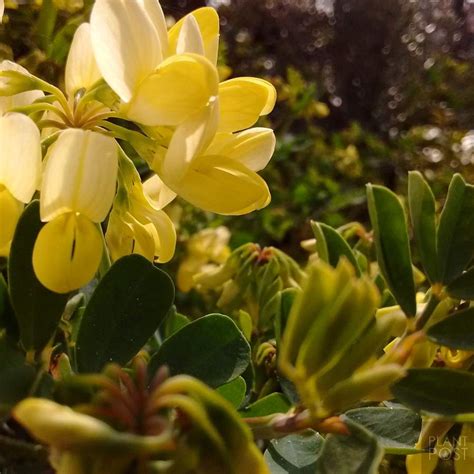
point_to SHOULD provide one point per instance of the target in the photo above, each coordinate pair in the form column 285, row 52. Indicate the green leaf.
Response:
column 443, row 391
column 212, row 349
column 16, row 377
column 331, row 246
column 37, row 309
column 125, row 310
column 397, row 429
column 455, row 331
column 174, row 323
column 234, row 391
column 294, row 454
column 392, row 244
column 423, row 218
column 273, row 403
column 358, row 453
column 462, row 287
column 456, row 230
column 287, row 298
column 7, row 316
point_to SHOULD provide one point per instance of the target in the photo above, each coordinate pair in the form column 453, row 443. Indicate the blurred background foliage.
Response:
column 367, row 91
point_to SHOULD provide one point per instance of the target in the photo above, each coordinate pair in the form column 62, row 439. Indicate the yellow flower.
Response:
column 137, row 224
column 76, row 194
column 241, row 100
column 20, row 167
column 217, row 173
column 205, row 250
column 130, row 41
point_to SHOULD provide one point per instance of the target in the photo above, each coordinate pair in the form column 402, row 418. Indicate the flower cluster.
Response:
column 128, row 79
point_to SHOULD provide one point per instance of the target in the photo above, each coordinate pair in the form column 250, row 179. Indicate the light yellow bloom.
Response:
column 137, row 224
column 241, row 100
column 81, row 68
column 76, row 194
column 217, row 173
column 20, row 165
column 130, row 42
column 205, row 250
column 2, row 9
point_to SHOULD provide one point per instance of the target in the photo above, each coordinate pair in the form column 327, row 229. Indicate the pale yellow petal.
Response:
column 67, row 253
column 126, row 44
column 224, row 186
column 190, row 39
column 80, row 175
column 253, row 147
column 158, row 192
column 190, row 139
column 208, row 22
column 20, row 155
column 181, row 86
column 125, row 235
column 2, row 9
column 243, row 100
column 10, row 212
column 157, row 17
column 164, row 235
column 81, row 67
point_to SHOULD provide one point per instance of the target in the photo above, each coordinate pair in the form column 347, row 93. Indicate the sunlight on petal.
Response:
column 126, row 44
column 81, row 68
column 80, row 175
column 20, row 150
column 181, row 86
column 243, row 100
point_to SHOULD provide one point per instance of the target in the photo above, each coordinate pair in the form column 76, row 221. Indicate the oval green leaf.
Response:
column 273, row 403
column 234, row 391
column 456, row 230
column 212, row 349
column 423, row 218
column 393, row 248
column 443, row 391
column 397, row 429
column 125, row 310
column 462, row 287
column 358, row 453
column 37, row 309
column 456, row 331
column 331, row 245
column 294, row 454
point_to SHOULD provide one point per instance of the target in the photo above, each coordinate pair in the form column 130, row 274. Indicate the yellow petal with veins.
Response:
column 126, row 44
column 224, row 186
column 80, row 175
column 208, row 22
column 81, row 67
column 242, row 101
column 189, row 140
column 180, row 87
column 10, row 212
column 155, row 14
column 190, row 39
column 67, row 253
column 253, row 148
column 159, row 194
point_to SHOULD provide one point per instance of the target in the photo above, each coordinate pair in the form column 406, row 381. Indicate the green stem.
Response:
column 46, row 24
